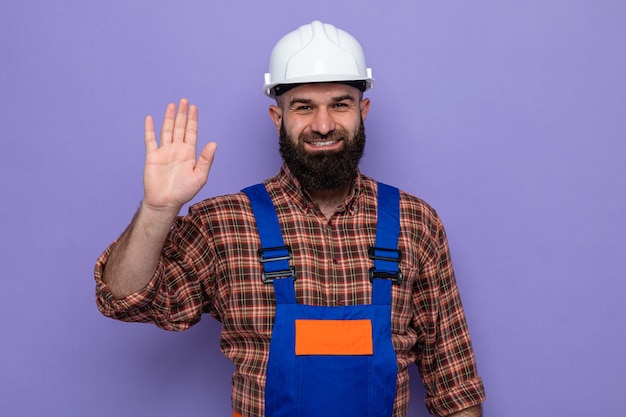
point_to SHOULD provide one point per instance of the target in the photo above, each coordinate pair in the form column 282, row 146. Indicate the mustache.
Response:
column 335, row 135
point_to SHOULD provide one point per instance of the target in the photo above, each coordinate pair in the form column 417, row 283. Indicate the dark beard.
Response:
column 324, row 171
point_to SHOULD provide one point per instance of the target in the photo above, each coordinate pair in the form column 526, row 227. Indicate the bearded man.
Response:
column 327, row 283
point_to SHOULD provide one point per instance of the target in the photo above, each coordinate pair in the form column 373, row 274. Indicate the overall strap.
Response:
column 385, row 252
column 274, row 255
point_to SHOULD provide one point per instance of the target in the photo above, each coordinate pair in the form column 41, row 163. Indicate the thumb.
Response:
column 205, row 160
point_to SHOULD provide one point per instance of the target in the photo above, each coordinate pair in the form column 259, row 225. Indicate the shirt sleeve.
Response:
column 177, row 294
column 446, row 359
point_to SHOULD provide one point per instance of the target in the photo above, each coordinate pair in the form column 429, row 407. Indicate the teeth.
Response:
column 327, row 143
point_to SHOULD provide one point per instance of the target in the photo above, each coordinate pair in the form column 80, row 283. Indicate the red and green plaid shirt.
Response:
column 210, row 265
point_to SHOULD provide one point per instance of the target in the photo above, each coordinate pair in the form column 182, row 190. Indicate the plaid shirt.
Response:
column 209, row 265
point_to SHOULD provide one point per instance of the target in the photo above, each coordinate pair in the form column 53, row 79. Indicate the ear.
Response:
column 276, row 114
column 365, row 107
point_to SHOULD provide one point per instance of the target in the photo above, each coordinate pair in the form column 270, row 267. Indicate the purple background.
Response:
column 507, row 116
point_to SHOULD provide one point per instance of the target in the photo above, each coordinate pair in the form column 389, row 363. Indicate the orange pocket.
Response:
column 334, row 337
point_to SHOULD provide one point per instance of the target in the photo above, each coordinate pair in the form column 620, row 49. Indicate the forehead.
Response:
column 321, row 92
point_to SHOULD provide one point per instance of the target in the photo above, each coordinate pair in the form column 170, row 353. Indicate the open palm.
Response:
column 173, row 175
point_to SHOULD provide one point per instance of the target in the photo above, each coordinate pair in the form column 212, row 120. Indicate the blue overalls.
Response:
column 330, row 361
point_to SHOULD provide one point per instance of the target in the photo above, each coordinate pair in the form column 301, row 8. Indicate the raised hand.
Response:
column 172, row 174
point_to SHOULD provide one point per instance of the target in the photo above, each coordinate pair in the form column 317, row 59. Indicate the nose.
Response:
column 323, row 123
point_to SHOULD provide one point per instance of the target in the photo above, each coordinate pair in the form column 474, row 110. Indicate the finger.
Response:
column 205, row 160
column 180, row 122
column 191, row 131
column 149, row 135
column 168, row 125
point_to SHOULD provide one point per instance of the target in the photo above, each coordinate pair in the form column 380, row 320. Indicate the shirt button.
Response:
column 335, row 261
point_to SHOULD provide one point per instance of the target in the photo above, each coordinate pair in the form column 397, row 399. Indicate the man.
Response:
column 327, row 283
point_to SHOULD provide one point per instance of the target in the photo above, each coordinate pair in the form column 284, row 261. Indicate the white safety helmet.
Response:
column 318, row 52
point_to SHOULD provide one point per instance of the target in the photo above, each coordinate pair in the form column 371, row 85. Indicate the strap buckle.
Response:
column 395, row 277
column 387, row 255
column 269, row 277
column 372, row 252
column 276, row 254
column 265, row 254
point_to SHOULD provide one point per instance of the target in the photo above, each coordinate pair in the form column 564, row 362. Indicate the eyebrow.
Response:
column 337, row 99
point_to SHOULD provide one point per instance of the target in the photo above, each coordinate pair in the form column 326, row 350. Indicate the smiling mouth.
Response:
column 321, row 144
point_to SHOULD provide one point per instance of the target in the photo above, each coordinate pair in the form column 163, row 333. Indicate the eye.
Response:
column 302, row 108
column 342, row 105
